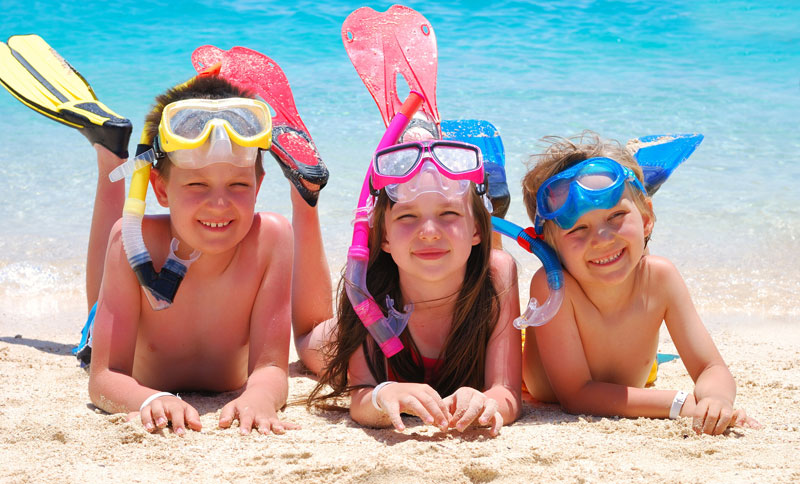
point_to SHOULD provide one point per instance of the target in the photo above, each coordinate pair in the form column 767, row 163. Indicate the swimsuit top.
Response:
column 431, row 366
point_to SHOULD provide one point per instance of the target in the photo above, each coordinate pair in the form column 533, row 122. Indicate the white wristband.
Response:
column 677, row 404
column 375, row 394
column 152, row 397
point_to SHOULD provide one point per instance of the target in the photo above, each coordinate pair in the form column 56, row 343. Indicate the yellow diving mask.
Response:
column 199, row 132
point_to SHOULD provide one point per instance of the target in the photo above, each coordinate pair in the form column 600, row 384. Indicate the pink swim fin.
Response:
column 382, row 45
column 292, row 146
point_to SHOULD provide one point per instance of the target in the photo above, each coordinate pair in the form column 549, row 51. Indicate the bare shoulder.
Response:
column 270, row 231
column 504, row 269
column 660, row 269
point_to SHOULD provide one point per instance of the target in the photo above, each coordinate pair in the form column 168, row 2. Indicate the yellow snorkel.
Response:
column 160, row 287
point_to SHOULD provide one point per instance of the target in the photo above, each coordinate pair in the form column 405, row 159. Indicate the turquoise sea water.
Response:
column 729, row 217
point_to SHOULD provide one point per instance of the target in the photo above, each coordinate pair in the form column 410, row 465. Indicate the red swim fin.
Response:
column 382, row 44
column 292, row 146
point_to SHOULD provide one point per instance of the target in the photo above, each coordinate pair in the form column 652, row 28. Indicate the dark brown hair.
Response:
column 205, row 87
column 463, row 356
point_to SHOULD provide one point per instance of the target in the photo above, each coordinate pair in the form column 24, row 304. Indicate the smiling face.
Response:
column 430, row 237
column 211, row 208
column 605, row 245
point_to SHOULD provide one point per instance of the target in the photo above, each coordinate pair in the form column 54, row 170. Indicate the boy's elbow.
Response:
column 95, row 393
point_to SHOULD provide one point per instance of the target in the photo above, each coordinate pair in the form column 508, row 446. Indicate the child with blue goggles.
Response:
column 586, row 199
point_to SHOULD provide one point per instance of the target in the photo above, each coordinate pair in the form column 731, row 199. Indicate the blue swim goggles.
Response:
column 596, row 183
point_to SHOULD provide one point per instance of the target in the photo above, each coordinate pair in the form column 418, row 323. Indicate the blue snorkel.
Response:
column 536, row 315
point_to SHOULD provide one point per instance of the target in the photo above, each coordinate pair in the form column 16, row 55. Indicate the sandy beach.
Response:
column 50, row 431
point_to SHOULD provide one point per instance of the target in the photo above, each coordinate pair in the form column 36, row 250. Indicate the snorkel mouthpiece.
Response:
column 536, row 315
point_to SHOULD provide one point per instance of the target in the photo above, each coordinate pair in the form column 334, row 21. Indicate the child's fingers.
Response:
column 264, row 425
column 449, row 403
column 176, row 417
column 444, row 408
column 741, row 419
column 227, row 415
column 159, row 415
column 392, row 410
column 726, row 416
column 436, row 408
column 699, row 416
column 489, row 411
column 498, row 424
column 147, row 419
column 711, row 418
column 472, row 409
column 246, row 418
column 414, row 406
column 192, row 418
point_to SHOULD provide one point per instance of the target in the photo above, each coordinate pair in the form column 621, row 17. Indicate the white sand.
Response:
column 50, row 432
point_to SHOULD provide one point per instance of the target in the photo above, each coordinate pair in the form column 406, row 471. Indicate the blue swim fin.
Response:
column 485, row 136
column 659, row 155
column 665, row 357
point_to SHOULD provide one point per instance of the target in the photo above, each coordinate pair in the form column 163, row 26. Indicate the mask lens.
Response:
column 596, row 176
column 456, row 159
column 397, row 162
column 556, row 193
column 190, row 123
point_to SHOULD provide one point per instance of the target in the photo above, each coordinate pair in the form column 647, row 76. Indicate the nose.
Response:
column 429, row 230
column 218, row 199
column 602, row 235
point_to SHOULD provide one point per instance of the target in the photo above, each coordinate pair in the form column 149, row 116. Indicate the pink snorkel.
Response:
column 385, row 330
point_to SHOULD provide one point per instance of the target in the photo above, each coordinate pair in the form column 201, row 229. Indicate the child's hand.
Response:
column 415, row 399
column 254, row 413
column 467, row 404
column 162, row 410
column 713, row 416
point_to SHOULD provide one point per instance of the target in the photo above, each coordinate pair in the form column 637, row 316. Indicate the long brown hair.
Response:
column 464, row 352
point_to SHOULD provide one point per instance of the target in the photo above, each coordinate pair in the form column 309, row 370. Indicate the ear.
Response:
column 259, row 179
column 385, row 246
column 159, row 187
column 648, row 218
column 476, row 234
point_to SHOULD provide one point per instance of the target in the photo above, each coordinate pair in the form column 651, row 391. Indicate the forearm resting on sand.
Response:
column 610, row 399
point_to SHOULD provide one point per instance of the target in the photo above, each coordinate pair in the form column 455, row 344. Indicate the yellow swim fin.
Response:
column 37, row 75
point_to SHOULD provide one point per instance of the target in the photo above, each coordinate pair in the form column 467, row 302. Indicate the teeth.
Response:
column 215, row 225
column 608, row 259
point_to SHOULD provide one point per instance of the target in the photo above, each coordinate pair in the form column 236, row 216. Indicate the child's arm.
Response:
column 393, row 399
column 561, row 350
column 501, row 402
column 108, row 201
column 111, row 386
column 312, row 297
column 270, row 326
column 711, row 406
column 562, row 355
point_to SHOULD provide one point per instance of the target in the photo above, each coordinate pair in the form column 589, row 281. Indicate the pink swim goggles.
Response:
column 409, row 169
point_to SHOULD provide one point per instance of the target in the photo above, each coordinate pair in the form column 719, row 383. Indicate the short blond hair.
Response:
column 562, row 153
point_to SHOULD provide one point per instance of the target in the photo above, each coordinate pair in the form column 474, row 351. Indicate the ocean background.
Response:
column 729, row 217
